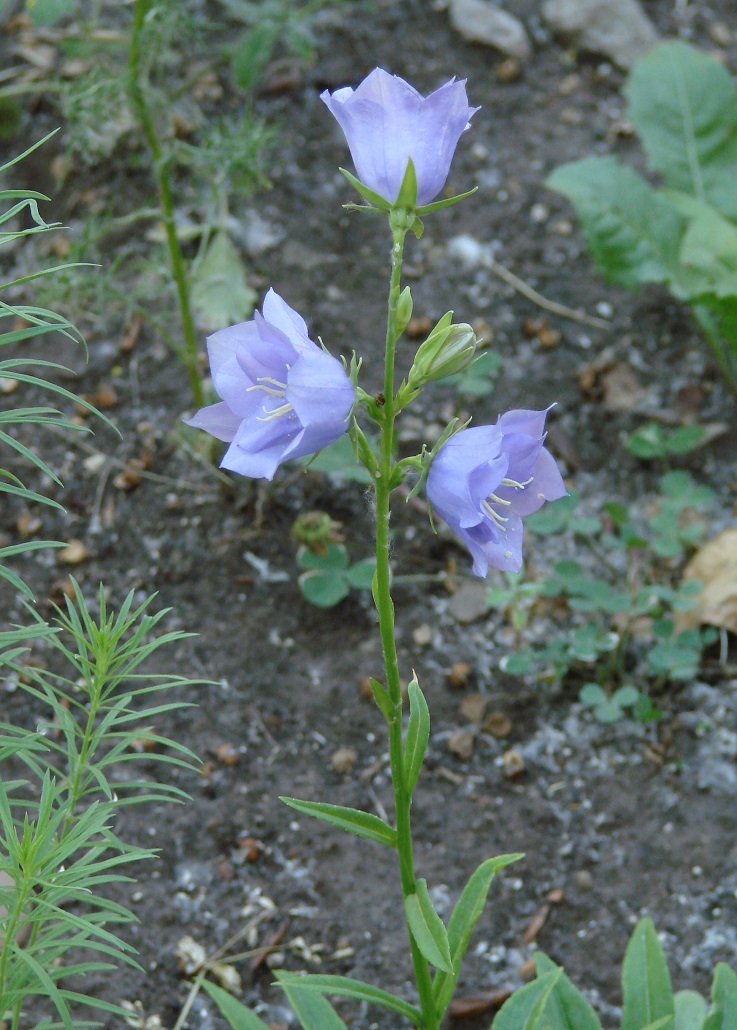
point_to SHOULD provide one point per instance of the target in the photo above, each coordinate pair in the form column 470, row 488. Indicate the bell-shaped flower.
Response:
column 282, row 396
column 484, row 479
column 386, row 122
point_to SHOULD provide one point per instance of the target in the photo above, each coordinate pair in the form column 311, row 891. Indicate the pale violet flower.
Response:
column 483, row 479
column 386, row 121
column 282, row 396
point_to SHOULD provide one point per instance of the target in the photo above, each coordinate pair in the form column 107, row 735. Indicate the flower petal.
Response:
column 217, row 420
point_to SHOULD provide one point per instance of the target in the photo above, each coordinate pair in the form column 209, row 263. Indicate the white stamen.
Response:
column 515, row 484
column 498, row 500
column 275, row 413
column 499, row 519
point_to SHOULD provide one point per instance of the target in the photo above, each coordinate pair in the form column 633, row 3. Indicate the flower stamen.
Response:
column 283, row 409
column 495, row 516
column 276, row 389
column 515, row 484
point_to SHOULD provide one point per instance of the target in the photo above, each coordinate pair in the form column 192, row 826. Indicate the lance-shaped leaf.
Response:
column 466, row 914
column 313, row 1010
column 418, row 734
column 363, row 824
column 517, row 1011
column 690, row 1010
column 346, row 987
column 234, row 1011
column 427, row 928
column 646, row 986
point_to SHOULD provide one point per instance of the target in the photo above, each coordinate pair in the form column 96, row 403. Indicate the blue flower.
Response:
column 484, row 479
column 282, row 396
column 386, row 121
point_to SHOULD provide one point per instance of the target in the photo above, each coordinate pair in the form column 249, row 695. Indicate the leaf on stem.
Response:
column 313, row 1010
column 237, row 1015
column 346, row 987
column 363, row 824
column 646, row 986
column 427, row 928
column 418, row 734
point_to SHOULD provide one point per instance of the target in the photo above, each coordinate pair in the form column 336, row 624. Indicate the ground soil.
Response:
column 611, row 817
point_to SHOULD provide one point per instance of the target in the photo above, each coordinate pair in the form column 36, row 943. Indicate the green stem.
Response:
column 385, row 609
column 166, row 200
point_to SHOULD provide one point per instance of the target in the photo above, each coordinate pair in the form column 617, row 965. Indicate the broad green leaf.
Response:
column 690, row 1010
column 333, row 559
column 723, row 1011
column 323, row 589
column 418, row 734
column 592, row 694
column 220, row 294
column 683, row 105
column 709, row 250
column 47, row 12
column 346, row 987
column 465, row 915
column 634, row 233
column 361, row 575
column 516, row 1012
column 627, row 695
column 566, row 1007
column 313, row 1010
column 363, row 824
column 427, row 928
column 646, row 986
column 234, row 1011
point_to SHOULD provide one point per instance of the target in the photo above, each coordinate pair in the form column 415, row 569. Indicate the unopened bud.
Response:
column 404, row 310
column 447, row 350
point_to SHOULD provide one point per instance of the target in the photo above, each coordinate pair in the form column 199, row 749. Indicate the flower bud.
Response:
column 404, row 310
column 447, row 350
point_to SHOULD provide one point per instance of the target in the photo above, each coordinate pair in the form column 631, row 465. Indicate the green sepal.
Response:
column 363, row 824
column 417, row 227
column 368, row 194
column 383, row 701
column 437, row 205
column 407, row 196
column 465, row 915
column 363, row 449
column 418, row 734
column 427, row 928
column 404, row 310
column 346, row 987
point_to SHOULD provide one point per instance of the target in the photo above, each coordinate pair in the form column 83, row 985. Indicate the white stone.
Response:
column 617, row 28
column 481, row 22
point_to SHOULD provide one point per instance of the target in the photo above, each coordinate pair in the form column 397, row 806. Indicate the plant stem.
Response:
column 166, row 200
column 385, row 608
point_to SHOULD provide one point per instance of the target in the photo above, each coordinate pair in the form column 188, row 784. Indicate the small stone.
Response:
column 584, row 880
column 422, row 635
column 513, row 764
column 460, row 742
column 343, row 760
column 459, row 675
column 538, row 214
column 466, row 250
column 562, row 227
column 718, row 774
column 620, row 31
column 250, row 847
column 571, row 116
column 497, row 725
column 569, row 84
column 480, row 22
column 721, row 33
column 227, row 755
column 472, row 707
column 469, row 603
column 74, row 553
column 508, row 70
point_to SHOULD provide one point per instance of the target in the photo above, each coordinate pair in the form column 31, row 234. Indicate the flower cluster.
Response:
column 283, row 397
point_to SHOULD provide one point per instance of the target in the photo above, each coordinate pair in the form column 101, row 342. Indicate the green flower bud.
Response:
column 447, row 350
column 404, row 310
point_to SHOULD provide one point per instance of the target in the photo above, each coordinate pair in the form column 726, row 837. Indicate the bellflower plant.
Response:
column 282, row 398
column 386, row 122
column 483, row 479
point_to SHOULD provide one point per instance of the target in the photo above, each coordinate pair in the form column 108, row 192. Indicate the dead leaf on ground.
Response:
column 477, row 1004
column 74, row 553
column 497, row 725
column 472, row 707
column 622, row 390
column 460, row 742
column 513, row 764
column 715, row 567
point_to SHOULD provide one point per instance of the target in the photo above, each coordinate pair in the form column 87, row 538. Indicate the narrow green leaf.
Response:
column 683, row 105
column 517, row 1011
column 567, row 1009
column 634, row 233
column 252, row 54
column 313, row 1010
column 427, row 928
column 540, row 1018
column 418, row 734
column 465, row 915
column 345, row 987
column 723, row 1012
column 363, row 824
column 646, row 986
column 237, row 1015
column 690, row 1009
column 383, row 701
column 367, row 194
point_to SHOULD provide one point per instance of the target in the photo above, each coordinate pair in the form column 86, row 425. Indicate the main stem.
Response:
column 385, row 608
column 166, row 201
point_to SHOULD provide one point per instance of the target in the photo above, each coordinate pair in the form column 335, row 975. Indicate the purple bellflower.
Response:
column 483, row 479
column 282, row 396
column 386, row 121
